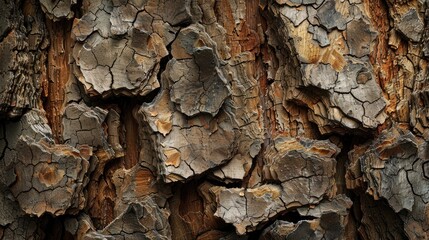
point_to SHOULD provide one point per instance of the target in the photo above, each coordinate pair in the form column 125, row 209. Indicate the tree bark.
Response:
column 204, row 119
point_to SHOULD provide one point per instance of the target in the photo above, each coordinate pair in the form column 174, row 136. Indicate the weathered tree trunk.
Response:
column 205, row 119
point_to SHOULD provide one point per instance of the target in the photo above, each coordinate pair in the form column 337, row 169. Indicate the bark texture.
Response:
column 204, row 119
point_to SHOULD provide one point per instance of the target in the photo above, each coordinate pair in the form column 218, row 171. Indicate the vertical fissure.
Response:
column 58, row 73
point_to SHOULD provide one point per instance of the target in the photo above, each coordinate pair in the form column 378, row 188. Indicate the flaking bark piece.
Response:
column 50, row 178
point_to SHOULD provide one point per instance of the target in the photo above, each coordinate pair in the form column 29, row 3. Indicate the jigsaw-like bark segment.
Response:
column 43, row 177
column 330, row 220
column 304, row 170
column 187, row 146
column 23, row 45
column 393, row 166
column 332, row 42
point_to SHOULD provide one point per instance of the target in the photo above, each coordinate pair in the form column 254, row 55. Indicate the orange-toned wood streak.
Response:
column 382, row 56
column 58, row 73
column 131, row 157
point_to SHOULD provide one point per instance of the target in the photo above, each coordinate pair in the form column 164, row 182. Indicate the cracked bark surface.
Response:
column 204, row 119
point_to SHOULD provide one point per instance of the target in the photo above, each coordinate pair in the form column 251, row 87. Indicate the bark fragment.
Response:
column 351, row 96
column 22, row 56
column 393, row 168
column 41, row 169
column 187, row 146
column 329, row 223
column 304, row 177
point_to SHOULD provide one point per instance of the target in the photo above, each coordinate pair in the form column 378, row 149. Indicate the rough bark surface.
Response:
column 204, row 119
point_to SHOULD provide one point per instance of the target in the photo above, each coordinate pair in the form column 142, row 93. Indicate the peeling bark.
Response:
column 203, row 119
